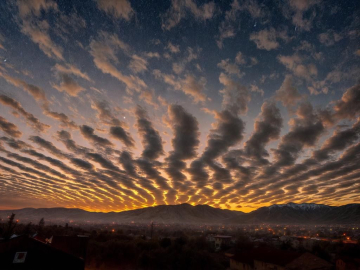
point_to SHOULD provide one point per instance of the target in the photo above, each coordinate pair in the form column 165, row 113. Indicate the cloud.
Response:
column 266, row 128
column 298, row 8
column 54, row 162
column 118, row 132
column 348, row 106
column 227, row 28
column 194, row 87
column 104, row 113
column 68, row 85
column 256, row 89
column 9, row 128
column 127, row 162
column 33, row 90
column 179, row 9
column 185, row 142
column 71, row 69
column 191, row 55
column 105, row 163
column 152, row 55
column 151, row 139
column 27, row 169
column 229, row 68
column 148, row 97
column 287, row 93
column 235, row 96
column 138, row 64
column 37, row 165
column 16, row 144
column 338, row 141
column 82, row 164
column 1, row 42
column 39, row 35
column 173, row 48
column 225, row 32
column 296, row 64
column 119, row 9
column 151, row 171
column 186, row 132
column 70, row 144
column 30, row 118
column 67, row 24
column 329, row 38
column 227, row 132
column 103, row 51
column 49, row 146
column 267, row 39
column 240, row 58
column 189, row 84
column 37, row 29
column 88, row 133
column 34, row 7
column 305, row 131
column 61, row 117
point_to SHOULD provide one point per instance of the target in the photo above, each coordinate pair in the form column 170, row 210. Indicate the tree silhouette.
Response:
column 10, row 226
column 42, row 223
column 41, row 226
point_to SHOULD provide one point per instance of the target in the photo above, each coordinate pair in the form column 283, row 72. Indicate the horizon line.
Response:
column 92, row 211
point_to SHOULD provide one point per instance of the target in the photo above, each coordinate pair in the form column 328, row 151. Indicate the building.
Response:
column 230, row 252
column 75, row 245
column 273, row 259
column 222, row 240
column 347, row 263
column 243, row 261
column 24, row 252
column 210, row 238
column 309, row 261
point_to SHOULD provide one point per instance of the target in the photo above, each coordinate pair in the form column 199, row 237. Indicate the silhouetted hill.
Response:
column 182, row 213
column 306, row 213
column 290, row 213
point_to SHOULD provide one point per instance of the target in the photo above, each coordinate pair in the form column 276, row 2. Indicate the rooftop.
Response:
column 269, row 255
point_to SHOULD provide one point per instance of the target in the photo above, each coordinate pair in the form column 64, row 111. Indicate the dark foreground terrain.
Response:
column 170, row 246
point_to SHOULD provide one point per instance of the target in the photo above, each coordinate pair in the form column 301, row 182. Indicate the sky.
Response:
column 111, row 105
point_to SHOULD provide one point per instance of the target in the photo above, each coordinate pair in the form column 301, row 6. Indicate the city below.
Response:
column 67, row 235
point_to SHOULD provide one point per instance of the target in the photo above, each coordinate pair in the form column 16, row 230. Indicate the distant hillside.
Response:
column 290, row 213
column 182, row 213
column 306, row 213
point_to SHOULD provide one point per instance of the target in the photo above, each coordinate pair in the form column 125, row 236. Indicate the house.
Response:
column 210, row 238
column 243, row 261
column 75, row 245
column 347, row 263
column 222, row 240
column 24, row 252
column 265, row 258
column 308, row 261
column 230, row 252
column 262, row 258
column 284, row 238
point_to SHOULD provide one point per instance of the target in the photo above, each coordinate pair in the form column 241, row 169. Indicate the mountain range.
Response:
column 291, row 213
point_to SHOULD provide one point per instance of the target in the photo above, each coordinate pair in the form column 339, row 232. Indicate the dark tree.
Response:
column 10, row 226
column 42, row 223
